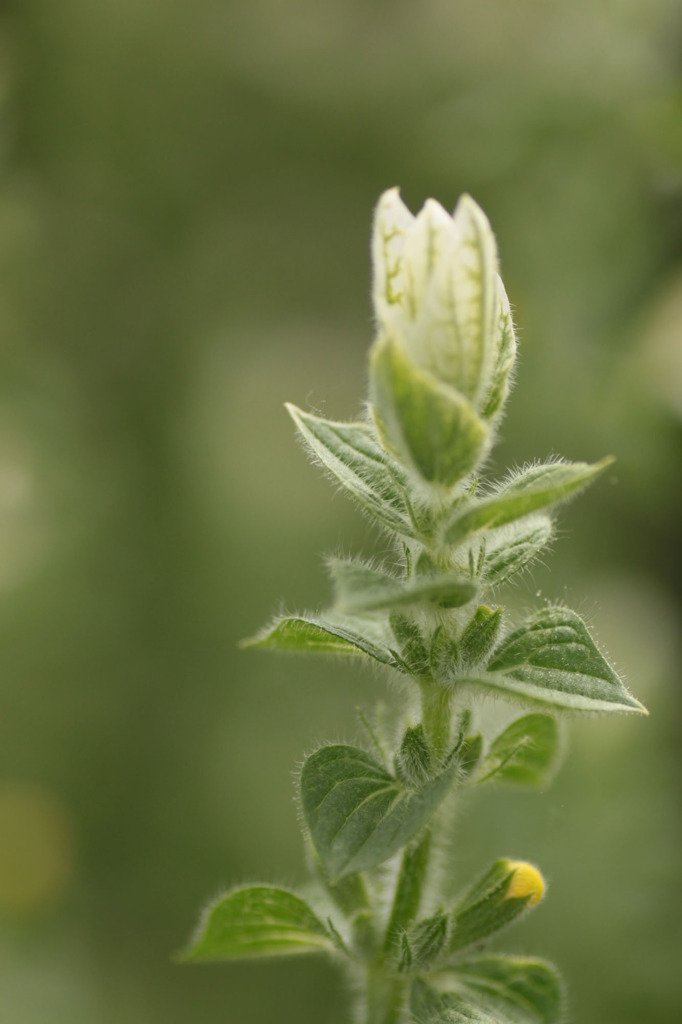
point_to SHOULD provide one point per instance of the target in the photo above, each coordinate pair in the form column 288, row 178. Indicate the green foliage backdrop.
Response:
column 185, row 202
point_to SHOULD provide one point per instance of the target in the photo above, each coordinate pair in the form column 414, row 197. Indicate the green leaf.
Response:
column 257, row 921
column 552, row 659
column 429, row 1006
column 426, row 940
column 353, row 456
column 413, row 761
column 359, row 588
column 468, row 755
column 528, row 991
column 413, row 651
column 533, row 489
column 496, row 899
column 525, row 753
column 444, row 660
column 492, row 990
column 424, row 422
column 327, row 633
column 512, row 547
column 358, row 814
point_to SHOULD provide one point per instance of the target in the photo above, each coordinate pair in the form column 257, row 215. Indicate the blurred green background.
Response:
column 184, row 220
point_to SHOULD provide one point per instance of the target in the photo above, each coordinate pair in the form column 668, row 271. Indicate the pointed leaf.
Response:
column 552, row 659
column 411, row 643
column 525, row 753
column 528, row 991
column 531, row 490
column 424, row 422
column 327, row 633
column 514, row 546
column 353, row 456
column 426, row 940
column 258, row 921
column 468, row 755
column 359, row 588
column 358, row 814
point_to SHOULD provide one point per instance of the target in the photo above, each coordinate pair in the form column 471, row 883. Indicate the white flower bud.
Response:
column 438, row 295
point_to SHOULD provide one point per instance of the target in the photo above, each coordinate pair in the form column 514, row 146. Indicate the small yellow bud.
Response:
column 527, row 881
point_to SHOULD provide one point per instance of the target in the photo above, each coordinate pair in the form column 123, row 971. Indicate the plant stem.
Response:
column 436, row 714
column 408, row 889
column 385, row 997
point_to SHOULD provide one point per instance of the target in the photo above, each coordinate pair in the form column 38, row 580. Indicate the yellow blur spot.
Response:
column 527, row 881
column 36, row 848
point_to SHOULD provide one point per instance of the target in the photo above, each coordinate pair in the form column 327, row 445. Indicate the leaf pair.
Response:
column 551, row 659
column 265, row 921
column 352, row 454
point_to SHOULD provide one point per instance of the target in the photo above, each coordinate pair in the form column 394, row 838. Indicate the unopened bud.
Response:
column 527, row 881
column 413, row 761
column 438, row 294
column 445, row 349
column 500, row 896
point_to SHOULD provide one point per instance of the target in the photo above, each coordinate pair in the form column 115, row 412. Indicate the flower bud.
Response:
column 502, row 894
column 438, row 294
column 527, row 881
column 445, row 349
column 413, row 761
column 480, row 634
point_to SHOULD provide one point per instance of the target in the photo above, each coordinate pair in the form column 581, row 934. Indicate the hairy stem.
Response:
column 385, row 997
column 408, row 889
column 436, row 714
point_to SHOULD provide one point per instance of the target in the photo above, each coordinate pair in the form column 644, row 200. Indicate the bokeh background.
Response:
column 185, row 202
